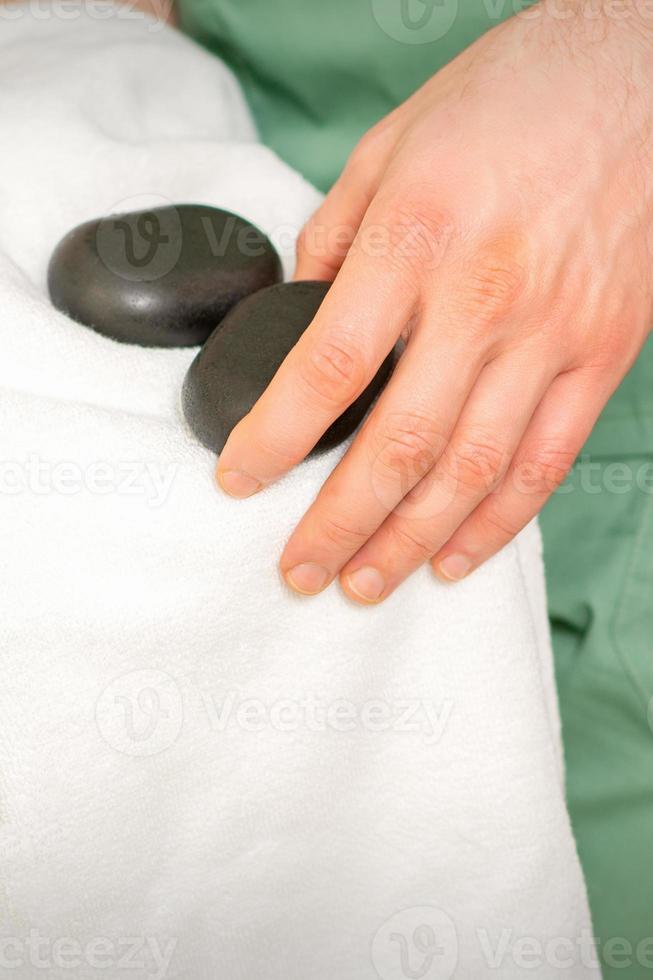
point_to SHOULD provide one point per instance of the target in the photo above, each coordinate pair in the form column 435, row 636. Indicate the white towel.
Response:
column 203, row 776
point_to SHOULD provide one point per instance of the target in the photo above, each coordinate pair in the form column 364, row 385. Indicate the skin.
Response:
column 500, row 222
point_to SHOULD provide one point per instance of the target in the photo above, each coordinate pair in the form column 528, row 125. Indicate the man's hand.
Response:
column 501, row 222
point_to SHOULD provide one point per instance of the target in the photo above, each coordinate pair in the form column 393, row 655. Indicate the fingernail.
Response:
column 454, row 567
column 238, row 484
column 308, row 578
column 367, row 582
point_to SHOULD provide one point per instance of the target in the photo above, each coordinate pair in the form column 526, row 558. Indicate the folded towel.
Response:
column 203, row 776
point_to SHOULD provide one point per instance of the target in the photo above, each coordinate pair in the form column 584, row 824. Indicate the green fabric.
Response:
column 317, row 74
column 599, row 558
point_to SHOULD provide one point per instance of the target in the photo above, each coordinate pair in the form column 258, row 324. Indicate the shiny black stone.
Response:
column 241, row 357
column 160, row 278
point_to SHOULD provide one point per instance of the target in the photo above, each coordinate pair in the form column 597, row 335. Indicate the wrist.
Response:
column 612, row 40
column 589, row 22
column 639, row 23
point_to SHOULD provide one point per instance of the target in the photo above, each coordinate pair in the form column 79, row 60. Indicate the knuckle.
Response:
column 498, row 524
column 545, row 467
column 409, row 541
column 408, row 446
column 491, row 283
column 334, row 371
column 419, row 234
column 477, row 462
column 342, row 535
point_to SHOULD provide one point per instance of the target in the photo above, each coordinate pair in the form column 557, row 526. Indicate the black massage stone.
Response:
column 241, row 357
column 160, row 278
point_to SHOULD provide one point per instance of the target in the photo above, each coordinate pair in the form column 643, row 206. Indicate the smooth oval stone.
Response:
column 160, row 278
column 239, row 360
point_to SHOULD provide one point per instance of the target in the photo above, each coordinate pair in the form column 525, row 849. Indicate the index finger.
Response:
column 353, row 332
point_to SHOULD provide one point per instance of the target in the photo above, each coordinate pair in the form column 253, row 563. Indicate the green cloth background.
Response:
column 318, row 74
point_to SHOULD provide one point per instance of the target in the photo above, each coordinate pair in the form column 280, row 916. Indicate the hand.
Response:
column 501, row 222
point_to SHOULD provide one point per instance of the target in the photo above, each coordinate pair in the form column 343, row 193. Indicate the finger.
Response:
column 401, row 440
column 547, row 452
column 355, row 329
column 328, row 236
column 474, row 462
